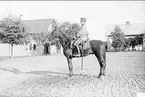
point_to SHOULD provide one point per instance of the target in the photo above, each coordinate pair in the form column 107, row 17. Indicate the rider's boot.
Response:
column 79, row 54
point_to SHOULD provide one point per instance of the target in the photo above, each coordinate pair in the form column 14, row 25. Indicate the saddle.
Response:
column 83, row 46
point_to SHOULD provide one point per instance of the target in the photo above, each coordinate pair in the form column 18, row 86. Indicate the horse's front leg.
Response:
column 102, row 62
column 70, row 66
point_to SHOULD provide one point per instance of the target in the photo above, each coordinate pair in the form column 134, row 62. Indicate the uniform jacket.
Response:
column 83, row 31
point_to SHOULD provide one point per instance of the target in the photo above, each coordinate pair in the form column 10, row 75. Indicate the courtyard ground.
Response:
column 47, row 76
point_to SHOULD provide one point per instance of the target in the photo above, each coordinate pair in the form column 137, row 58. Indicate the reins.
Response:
column 65, row 35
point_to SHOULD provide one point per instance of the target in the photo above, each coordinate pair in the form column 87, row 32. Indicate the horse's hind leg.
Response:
column 101, row 56
column 70, row 66
column 102, row 63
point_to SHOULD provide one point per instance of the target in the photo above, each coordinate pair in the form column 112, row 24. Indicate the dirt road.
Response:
column 46, row 76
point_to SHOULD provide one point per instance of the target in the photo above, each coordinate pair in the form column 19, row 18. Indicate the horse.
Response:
column 97, row 47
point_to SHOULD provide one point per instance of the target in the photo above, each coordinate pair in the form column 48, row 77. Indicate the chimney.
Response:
column 127, row 26
column 127, row 22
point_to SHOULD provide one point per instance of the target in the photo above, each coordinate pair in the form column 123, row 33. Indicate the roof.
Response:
column 37, row 25
column 130, row 29
column 128, row 35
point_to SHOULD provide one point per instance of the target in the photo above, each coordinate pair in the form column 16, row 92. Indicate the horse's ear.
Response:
column 53, row 23
column 50, row 28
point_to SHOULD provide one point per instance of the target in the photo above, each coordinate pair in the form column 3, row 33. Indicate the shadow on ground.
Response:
column 12, row 70
column 17, row 71
column 48, row 83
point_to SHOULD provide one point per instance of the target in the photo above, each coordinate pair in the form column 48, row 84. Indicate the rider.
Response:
column 82, row 34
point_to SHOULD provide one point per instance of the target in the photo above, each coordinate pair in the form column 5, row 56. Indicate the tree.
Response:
column 139, row 39
column 70, row 30
column 128, row 42
column 41, row 38
column 13, row 31
column 118, row 38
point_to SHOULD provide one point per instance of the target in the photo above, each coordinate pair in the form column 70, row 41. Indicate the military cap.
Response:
column 83, row 20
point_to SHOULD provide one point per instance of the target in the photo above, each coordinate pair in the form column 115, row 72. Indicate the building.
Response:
column 33, row 48
column 129, row 29
column 39, row 26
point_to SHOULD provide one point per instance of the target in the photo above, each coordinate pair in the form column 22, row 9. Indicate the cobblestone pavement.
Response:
column 46, row 76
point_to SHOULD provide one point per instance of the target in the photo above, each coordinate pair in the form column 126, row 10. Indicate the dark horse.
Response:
column 97, row 47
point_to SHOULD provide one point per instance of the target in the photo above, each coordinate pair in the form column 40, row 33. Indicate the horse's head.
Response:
column 53, row 30
column 56, row 33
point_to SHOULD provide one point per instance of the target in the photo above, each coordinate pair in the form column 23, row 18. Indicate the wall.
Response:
column 18, row 50
column 5, row 50
column 53, row 49
column 26, row 50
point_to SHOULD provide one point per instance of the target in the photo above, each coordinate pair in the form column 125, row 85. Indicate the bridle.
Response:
column 56, row 27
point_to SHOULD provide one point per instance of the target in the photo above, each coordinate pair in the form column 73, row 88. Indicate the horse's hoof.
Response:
column 101, row 77
column 70, row 75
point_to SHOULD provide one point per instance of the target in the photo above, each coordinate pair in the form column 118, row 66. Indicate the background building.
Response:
column 32, row 48
column 129, row 29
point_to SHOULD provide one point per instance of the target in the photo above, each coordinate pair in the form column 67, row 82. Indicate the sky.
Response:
column 97, row 13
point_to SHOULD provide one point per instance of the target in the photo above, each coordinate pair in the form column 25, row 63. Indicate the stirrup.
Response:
column 77, row 55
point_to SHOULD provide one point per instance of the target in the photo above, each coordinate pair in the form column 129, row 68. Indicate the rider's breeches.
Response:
column 80, row 40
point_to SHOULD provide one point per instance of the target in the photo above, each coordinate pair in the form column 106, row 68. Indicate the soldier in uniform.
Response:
column 82, row 35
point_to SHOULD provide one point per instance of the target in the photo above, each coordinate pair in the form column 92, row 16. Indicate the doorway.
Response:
column 46, row 49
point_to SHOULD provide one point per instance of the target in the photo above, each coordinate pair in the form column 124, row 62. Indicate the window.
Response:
column 30, row 47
